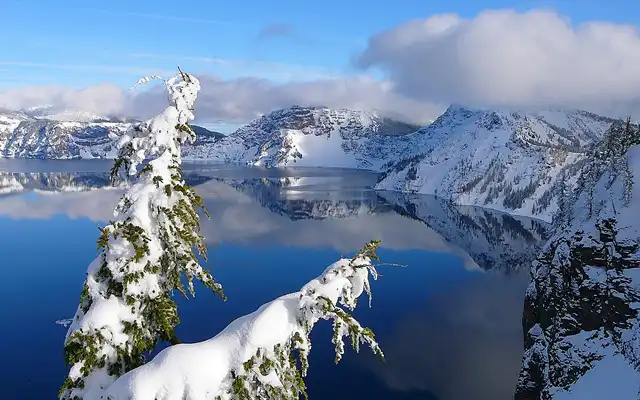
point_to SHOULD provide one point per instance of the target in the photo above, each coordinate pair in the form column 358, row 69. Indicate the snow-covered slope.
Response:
column 509, row 161
column 9, row 120
column 581, row 321
column 69, row 134
column 312, row 137
column 48, row 139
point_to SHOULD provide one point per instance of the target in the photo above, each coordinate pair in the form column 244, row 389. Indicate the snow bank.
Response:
column 208, row 369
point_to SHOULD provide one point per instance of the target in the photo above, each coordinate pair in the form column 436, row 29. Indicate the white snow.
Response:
column 476, row 157
column 9, row 184
column 308, row 136
column 64, row 322
column 202, row 370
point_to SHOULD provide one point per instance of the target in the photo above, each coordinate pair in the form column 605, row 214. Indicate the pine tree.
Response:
column 125, row 306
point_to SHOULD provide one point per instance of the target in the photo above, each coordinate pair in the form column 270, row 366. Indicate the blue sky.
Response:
column 80, row 43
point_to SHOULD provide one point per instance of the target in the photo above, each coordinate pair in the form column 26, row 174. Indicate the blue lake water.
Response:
column 449, row 322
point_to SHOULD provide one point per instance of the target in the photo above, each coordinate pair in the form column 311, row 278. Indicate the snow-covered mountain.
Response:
column 581, row 316
column 514, row 162
column 301, row 136
column 310, row 136
column 68, row 134
column 508, row 161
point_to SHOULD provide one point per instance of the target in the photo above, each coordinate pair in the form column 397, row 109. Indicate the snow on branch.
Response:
column 256, row 356
column 125, row 306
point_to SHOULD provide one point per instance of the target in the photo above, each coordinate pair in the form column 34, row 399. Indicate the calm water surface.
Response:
column 449, row 322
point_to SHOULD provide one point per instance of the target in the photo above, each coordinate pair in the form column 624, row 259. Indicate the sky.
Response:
column 405, row 58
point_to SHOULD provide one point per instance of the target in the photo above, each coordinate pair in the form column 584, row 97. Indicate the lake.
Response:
column 449, row 321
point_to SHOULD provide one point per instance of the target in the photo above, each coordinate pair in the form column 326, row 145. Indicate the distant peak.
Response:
column 457, row 107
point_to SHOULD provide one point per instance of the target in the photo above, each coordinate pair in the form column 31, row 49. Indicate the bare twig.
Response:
column 185, row 76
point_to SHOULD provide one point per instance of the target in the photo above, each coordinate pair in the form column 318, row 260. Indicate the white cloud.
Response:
column 229, row 100
column 498, row 58
column 506, row 58
column 104, row 98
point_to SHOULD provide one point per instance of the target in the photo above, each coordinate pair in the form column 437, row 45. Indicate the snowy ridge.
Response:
column 312, row 137
column 69, row 134
column 48, row 139
column 508, row 161
column 581, row 315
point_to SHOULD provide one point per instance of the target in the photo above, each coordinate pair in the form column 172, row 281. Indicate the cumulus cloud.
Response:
column 498, row 58
column 229, row 100
column 506, row 58
column 104, row 98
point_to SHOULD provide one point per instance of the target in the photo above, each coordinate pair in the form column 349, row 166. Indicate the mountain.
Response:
column 516, row 162
column 581, row 317
column 302, row 136
column 508, row 161
column 68, row 134
column 312, row 137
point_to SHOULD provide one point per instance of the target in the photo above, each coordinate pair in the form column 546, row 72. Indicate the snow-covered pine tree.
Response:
column 125, row 306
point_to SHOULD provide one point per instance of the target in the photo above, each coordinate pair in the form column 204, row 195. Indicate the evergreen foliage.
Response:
column 125, row 306
column 288, row 362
